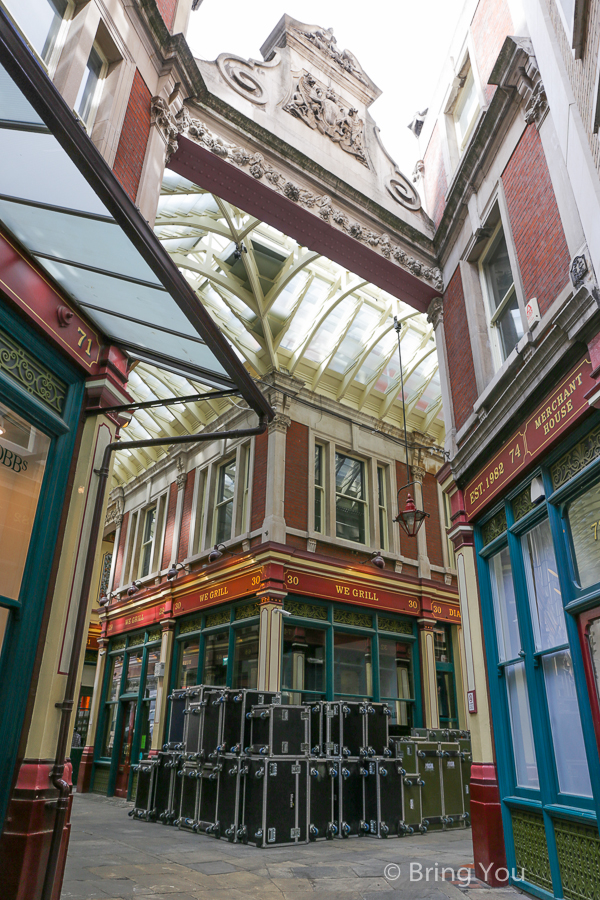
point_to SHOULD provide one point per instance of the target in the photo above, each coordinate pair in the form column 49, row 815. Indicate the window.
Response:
column 303, row 669
column 224, row 502
column 189, row 652
column 395, row 679
column 353, row 673
column 110, row 718
column 465, row 109
column 41, row 22
column 381, row 497
column 350, row 499
column 319, row 489
column 245, row 657
column 90, row 88
column 448, row 524
column 503, row 306
column 147, row 541
column 245, row 516
column 442, row 645
column 216, row 651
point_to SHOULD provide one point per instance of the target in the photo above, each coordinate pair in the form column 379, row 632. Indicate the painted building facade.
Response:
column 517, row 333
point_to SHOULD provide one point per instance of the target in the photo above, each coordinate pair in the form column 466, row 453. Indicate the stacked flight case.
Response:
column 241, row 766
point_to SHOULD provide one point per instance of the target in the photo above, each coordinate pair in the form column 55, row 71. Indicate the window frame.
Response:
column 366, row 503
column 89, row 120
column 494, row 315
column 132, row 562
column 460, row 102
column 383, row 524
column 217, row 504
column 51, row 62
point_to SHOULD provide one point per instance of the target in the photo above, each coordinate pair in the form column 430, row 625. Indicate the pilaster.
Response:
column 87, row 758
column 181, row 483
column 271, row 595
column 162, row 682
column 274, row 521
column 418, row 474
column 430, row 699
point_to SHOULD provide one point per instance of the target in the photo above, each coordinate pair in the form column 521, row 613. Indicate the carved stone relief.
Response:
column 322, row 204
column 322, row 110
column 246, row 76
column 435, row 313
column 324, row 40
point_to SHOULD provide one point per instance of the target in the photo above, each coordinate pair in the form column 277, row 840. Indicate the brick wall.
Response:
column 296, row 476
column 186, row 519
column 432, row 524
column 490, row 26
column 167, row 9
column 536, row 226
column 134, row 137
column 435, row 183
column 121, row 551
column 169, row 526
column 458, row 347
column 259, row 481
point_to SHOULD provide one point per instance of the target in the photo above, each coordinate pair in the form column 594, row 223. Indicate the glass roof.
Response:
column 52, row 210
column 286, row 308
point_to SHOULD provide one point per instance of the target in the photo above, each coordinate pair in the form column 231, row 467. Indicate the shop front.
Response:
column 371, row 647
column 539, row 576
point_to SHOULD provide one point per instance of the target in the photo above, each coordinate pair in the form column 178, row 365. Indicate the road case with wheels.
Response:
column 230, row 797
column 235, row 727
column 274, row 808
column 279, row 730
column 349, row 805
column 452, row 786
column 322, row 778
column 144, row 792
column 189, row 776
column 383, row 797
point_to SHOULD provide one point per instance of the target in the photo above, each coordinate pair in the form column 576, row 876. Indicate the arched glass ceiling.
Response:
column 285, row 308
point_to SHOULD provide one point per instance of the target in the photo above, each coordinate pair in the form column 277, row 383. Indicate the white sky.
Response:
column 401, row 44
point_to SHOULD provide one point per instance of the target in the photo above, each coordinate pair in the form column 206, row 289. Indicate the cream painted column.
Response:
column 435, row 316
column 274, row 521
column 430, row 696
column 458, row 655
column 181, row 483
column 418, row 473
column 113, row 562
column 166, row 658
column 87, row 757
column 271, row 594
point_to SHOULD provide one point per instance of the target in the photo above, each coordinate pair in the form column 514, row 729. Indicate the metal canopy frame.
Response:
column 59, row 121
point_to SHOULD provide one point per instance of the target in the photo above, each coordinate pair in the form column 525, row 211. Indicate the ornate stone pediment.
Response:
column 322, row 109
column 324, row 39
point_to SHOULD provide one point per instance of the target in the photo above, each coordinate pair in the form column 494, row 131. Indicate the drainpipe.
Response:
column 66, row 705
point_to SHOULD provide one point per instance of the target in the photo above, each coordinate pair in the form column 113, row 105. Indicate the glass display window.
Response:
column 352, row 661
column 216, row 653
column 189, row 654
column 396, row 679
column 245, row 657
column 584, row 522
column 303, row 665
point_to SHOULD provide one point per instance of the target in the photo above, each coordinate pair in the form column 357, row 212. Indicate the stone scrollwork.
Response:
column 578, row 269
column 324, row 39
column 321, row 109
column 258, row 167
column 244, row 75
column 279, row 423
column 537, row 104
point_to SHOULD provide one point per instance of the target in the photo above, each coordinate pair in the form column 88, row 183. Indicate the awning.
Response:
column 62, row 202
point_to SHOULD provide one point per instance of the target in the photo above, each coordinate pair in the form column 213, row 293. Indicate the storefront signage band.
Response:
column 558, row 412
column 318, row 586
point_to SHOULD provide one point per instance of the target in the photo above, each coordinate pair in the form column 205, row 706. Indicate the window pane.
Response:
column 151, row 683
column 350, row 520
column 303, row 666
column 245, row 657
column 441, row 645
column 584, row 519
column 188, row 663
column 224, row 518
column 446, row 697
column 594, row 645
column 521, row 731
column 395, row 677
column 148, row 537
column 216, row 648
column 505, row 610
column 40, row 21
column 134, row 672
column 466, row 108
column 349, row 476
column 23, row 454
column 565, row 723
column 147, row 726
column 226, row 482
column 115, row 677
column 87, row 90
column 499, row 272
column 108, row 739
column 318, row 465
column 543, row 587
column 510, row 327
column 352, row 664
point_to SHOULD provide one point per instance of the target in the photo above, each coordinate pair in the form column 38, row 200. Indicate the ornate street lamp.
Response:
column 411, row 517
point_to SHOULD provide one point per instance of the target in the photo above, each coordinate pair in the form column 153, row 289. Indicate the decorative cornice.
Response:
column 320, row 204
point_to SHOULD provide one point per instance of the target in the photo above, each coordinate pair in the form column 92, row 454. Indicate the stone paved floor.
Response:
column 112, row 857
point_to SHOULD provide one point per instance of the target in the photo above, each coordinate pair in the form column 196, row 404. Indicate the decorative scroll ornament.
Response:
column 324, row 40
column 435, row 313
column 36, row 378
column 244, row 75
column 322, row 110
column 163, row 118
column 259, row 168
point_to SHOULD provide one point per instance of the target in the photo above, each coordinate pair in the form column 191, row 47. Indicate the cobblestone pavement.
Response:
column 112, row 857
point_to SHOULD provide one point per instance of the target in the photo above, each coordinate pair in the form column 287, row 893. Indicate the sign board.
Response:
column 472, row 701
column 558, row 412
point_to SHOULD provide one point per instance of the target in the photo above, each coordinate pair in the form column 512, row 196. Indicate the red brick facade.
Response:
column 120, row 550
column 491, row 23
column 460, row 360
column 131, row 151
column 259, row 482
column 296, row 476
column 431, row 504
column 186, row 521
column 169, row 526
column 167, row 9
column 535, row 221
column 435, row 182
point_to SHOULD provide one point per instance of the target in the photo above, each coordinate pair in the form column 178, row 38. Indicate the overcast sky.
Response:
column 399, row 43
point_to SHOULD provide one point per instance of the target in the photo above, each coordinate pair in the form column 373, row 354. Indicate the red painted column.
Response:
column 27, row 833
column 489, row 853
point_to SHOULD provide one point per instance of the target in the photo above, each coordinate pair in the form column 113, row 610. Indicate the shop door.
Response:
column 125, row 747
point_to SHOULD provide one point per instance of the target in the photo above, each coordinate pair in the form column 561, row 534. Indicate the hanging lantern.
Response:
column 410, row 518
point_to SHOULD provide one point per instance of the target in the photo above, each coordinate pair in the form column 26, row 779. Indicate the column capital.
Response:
column 426, row 624
column 418, row 473
column 167, row 624
column 435, row 312
column 279, row 423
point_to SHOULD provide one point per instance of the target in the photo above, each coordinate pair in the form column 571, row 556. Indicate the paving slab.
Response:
column 113, row 857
